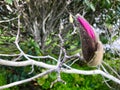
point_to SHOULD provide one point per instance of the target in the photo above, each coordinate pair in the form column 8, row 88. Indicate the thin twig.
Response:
column 26, row 80
column 9, row 55
column 44, row 22
column 8, row 20
column 111, row 69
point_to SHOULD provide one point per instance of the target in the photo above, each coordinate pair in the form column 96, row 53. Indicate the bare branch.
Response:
column 111, row 69
column 9, row 55
column 8, row 20
column 25, row 63
column 72, row 70
column 92, row 72
column 44, row 22
column 26, row 80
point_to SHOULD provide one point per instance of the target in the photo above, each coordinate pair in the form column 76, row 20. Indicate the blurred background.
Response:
column 39, row 26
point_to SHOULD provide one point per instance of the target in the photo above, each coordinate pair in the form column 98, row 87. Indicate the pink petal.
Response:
column 86, row 26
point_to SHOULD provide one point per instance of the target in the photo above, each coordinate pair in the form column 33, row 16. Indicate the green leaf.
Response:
column 108, row 1
column 87, row 2
column 41, row 81
column 92, row 7
column 0, row 31
column 9, row 1
column 1, row 42
column 12, row 39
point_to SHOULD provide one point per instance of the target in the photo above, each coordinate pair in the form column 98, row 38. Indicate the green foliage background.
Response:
column 72, row 44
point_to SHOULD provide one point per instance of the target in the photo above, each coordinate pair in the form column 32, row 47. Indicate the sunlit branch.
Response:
column 9, row 55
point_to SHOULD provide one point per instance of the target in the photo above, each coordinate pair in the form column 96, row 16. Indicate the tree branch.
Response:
column 91, row 73
column 8, row 20
column 25, row 63
column 52, row 68
column 26, row 80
